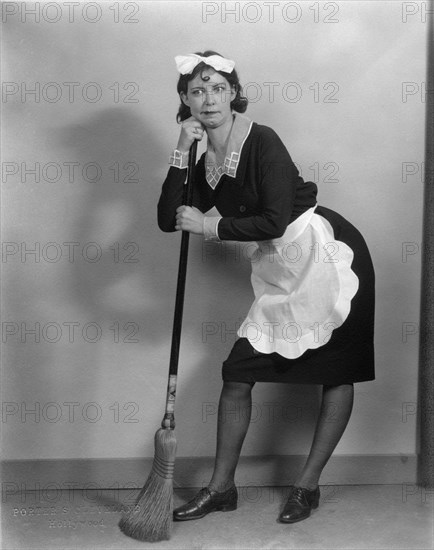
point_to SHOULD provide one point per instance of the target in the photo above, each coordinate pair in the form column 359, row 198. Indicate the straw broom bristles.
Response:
column 151, row 517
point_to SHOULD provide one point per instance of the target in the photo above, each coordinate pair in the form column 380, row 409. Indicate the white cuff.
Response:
column 210, row 225
column 178, row 159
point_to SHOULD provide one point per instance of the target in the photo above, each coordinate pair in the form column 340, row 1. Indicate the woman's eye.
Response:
column 197, row 92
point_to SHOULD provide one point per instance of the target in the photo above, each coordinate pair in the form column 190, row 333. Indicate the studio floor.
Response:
column 349, row 516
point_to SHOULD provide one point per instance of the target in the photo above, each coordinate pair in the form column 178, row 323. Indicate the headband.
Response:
column 186, row 63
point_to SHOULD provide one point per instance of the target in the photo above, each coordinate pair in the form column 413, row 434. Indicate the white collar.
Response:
column 238, row 135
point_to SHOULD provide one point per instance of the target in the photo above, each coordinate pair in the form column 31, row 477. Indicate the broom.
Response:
column 150, row 519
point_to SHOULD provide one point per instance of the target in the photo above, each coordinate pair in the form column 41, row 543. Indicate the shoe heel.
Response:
column 227, row 507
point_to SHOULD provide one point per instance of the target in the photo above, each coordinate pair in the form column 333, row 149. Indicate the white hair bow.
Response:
column 186, row 63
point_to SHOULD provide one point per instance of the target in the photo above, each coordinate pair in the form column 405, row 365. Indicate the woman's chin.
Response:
column 211, row 123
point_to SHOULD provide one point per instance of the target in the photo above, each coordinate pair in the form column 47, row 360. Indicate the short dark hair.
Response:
column 239, row 103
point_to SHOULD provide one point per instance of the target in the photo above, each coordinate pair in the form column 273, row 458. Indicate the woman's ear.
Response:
column 184, row 99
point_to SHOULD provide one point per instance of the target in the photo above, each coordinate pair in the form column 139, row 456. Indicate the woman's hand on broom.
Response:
column 191, row 129
column 189, row 218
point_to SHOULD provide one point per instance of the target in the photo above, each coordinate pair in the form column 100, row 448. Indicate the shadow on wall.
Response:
column 123, row 276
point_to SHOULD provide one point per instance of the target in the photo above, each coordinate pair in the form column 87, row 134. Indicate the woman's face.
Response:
column 209, row 97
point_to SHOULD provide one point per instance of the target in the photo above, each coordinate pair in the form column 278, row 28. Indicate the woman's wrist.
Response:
column 182, row 147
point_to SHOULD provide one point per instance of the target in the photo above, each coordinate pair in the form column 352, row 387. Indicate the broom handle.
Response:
column 168, row 421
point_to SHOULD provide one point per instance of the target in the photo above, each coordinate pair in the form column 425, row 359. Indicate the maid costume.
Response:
column 312, row 319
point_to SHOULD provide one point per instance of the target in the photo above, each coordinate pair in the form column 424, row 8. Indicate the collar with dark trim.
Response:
column 238, row 135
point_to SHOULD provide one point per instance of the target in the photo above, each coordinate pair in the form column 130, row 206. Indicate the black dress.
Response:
column 312, row 274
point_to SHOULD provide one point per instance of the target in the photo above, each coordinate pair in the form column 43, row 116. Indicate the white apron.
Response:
column 303, row 285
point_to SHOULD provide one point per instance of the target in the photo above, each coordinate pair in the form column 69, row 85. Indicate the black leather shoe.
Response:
column 299, row 505
column 207, row 501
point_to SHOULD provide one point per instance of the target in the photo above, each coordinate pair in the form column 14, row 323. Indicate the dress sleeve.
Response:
column 277, row 179
column 172, row 194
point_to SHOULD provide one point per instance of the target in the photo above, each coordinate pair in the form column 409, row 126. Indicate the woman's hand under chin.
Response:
column 191, row 130
column 189, row 218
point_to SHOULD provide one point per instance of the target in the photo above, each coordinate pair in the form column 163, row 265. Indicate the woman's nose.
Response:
column 209, row 97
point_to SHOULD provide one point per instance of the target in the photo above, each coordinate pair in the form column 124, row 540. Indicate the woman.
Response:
column 312, row 321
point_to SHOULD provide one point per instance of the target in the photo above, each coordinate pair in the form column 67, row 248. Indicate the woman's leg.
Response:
column 234, row 413
column 336, row 407
column 233, row 422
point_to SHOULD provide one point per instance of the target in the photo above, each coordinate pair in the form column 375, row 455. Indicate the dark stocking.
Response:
column 336, row 407
column 234, row 412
